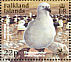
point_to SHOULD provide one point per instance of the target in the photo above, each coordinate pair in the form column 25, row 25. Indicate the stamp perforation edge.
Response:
column 38, row 59
column 0, row 30
column 35, row 0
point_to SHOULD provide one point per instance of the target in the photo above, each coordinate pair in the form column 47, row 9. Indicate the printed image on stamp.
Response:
column 35, row 31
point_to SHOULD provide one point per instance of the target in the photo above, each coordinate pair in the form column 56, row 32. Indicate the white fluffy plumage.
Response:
column 40, row 32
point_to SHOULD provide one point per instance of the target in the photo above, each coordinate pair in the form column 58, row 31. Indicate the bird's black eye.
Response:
column 43, row 6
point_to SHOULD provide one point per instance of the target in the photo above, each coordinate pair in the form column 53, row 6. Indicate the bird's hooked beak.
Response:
column 47, row 9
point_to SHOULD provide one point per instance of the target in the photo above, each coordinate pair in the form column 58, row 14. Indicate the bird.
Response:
column 40, row 32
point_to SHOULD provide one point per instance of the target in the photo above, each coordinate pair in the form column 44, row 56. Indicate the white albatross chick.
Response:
column 41, row 32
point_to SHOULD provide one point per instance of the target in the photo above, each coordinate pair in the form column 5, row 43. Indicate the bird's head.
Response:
column 44, row 7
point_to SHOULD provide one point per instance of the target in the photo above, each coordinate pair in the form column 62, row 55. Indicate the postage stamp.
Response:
column 35, row 31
